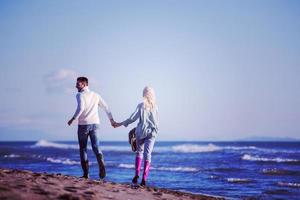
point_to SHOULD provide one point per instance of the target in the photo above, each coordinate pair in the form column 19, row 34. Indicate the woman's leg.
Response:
column 138, row 159
column 149, row 144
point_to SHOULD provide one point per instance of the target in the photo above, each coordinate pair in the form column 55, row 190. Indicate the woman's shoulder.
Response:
column 140, row 105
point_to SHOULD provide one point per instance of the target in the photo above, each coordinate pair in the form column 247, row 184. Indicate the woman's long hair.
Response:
column 149, row 98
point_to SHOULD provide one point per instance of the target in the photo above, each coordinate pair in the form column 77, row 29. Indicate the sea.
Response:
column 234, row 170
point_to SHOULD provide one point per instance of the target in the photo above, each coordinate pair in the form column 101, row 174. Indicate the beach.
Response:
column 24, row 184
column 228, row 169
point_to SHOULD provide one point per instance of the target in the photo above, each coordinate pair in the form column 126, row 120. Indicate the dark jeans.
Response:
column 84, row 131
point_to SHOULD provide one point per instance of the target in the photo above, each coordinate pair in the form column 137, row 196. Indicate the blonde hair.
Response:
column 149, row 98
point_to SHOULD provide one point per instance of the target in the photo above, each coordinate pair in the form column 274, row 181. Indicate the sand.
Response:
column 21, row 184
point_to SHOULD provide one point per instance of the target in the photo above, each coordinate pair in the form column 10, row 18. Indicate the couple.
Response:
column 88, row 122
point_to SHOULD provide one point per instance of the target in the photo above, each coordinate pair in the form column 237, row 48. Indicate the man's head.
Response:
column 81, row 83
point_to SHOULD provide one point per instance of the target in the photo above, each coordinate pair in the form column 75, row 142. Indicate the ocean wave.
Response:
column 279, row 172
column 239, row 180
column 254, row 148
column 241, row 148
column 193, row 148
column 45, row 143
column 63, row 161
column 263, row 159
column 225, row 169
column 276, row 192
column 127, row 166
column 177, row 169
column 171, row 169
column 214, row 177
column 48, row 144
column 185, row 148
column 181, row 148
column 12, row 156
column 294, row 185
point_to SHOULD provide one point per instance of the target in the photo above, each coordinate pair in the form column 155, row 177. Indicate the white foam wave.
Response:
column 241, row 148
column 63, row 161
column 45, row 143
column 193, row 148
column 172, row 169
column 185, row 148
column 48, row 144
column 177, row 169
column 263, row 159
column 12, row 156
column 238, row 180
column 296, row 185
column 182, row 148
column 127, row 166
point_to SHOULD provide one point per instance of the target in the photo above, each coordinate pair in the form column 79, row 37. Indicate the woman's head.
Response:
column 149, row 98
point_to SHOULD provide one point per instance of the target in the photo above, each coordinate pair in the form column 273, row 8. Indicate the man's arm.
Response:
column 79, row 110
column 102, row 104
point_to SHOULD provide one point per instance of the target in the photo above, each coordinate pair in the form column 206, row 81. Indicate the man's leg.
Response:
column 82, row 140
column 97, row 151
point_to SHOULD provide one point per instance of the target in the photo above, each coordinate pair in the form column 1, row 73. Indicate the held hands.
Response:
column 115, row 124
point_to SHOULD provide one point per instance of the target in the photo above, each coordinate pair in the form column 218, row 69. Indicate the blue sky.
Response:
column 222, row 70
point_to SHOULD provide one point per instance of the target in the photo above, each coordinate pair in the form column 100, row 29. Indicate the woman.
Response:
column 146, row 132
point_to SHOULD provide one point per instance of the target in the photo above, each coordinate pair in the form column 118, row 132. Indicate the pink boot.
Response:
column 146, row 172
column 138, row 164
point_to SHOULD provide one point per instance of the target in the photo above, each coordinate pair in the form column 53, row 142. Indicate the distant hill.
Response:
column 265, row 138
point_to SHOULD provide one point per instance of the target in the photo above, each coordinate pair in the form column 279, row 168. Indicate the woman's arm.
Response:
column 133, row 117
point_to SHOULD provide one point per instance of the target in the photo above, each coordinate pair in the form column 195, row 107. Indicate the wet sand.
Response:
column 21, row 184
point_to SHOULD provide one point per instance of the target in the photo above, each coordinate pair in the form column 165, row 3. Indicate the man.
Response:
column 88, row 122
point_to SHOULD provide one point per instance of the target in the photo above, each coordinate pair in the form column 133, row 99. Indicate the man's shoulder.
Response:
column 94, row 94
column 78, row 94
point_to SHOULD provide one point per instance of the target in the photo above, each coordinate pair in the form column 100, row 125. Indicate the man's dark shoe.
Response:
column 85, row 176
column 102, row 172
column 85, row 168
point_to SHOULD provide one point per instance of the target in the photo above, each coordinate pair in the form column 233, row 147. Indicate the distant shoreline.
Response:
column 23, row 184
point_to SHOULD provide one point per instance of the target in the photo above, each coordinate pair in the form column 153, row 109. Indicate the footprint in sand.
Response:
column 40, row 191
column 4, row 189
column 36, row 175
column 157, row 193
column 50, row 183
column 19, row 186
column 67, row 197
column 70, row 189
column 89, row 192
column 110, row 197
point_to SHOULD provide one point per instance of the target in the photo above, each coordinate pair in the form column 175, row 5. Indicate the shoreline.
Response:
column 24, row 184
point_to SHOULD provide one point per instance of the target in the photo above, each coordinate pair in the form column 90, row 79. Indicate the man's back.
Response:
column 90, row 102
